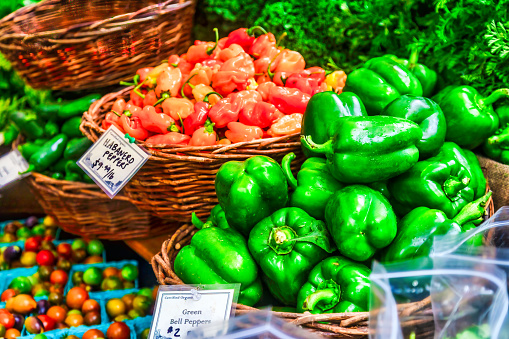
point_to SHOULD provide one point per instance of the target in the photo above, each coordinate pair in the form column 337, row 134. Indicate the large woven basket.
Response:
column 418, row 315
column 84, row 44
column 179, row 180
column 85, row 210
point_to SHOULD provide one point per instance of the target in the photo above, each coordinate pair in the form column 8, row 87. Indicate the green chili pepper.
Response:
column 57, row 176
column 51, row 129
column 336, row 285
column 71, row 127
column 48, row 154
column 48, row 111
column 287, row 245
column 77, row 107
column 27, row 149
column 313, row 187
column 9, row 134
column 59, row 166
column 72, row 167
column 28, row 125
column 76, row 147
column 72, row 177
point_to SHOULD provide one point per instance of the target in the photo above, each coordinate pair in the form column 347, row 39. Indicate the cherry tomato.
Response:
column 58, row 277
column 33, row 325
column 92, row 318
column 115, row 307
column 45, row 258
column 76, row 297
column 22, row 304
column 110, row 272
column 93, row 334
column 74, row 320
column 45, row 272
column 118, row 330
column 95, row 247
column 128, row 300
column 57, row 313
column 8, row 294
column 13, row 333
column 33, row 244
column 7, row 319
column 129, row 272
column 93, row 259
column 47, row 322
column 90, row 305
column 93, row 276
column 64, row 250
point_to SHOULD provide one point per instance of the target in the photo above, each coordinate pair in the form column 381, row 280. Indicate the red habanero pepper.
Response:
column 264, row 89
column 310, row 81
column 238, row 132
column 153, row 121
column 184, row 66
column 171, row 138
column 286, row 125
column 150, row 98
column 203, row 51
column 243, row 98
column 178, row 108
column 289, row 100
column 233, row 74
column 151, row 79
column 168, row 84
column 224, row 142
column 112, row 118
column 197, row 118
column 212, row 63
column 243, row 37
column 204, row 136
column 201, row 91
column 223, row 113
column 261, row 114
column 289, row 61
column 229, row 52
column 143, row 72
column 263, row 50
column 136, row 99
column 222, row 42
column 133, row 127
column 118, row 106
column 199, row 75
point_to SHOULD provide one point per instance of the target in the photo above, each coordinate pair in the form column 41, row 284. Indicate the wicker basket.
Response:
column 85, row 210
column 178, row 180
column 85, row 44
column 336, row 325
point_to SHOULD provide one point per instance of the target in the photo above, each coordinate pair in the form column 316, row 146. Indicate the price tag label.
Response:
column 180, row 309
column 11, row 164
column 112, row 161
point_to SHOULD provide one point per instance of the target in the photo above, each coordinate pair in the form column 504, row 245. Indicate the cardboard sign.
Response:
column 11, row 164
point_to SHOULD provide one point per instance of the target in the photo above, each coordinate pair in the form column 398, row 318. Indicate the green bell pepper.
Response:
column 336, row 285
column 313, row 187
column 250, row 191
column 443, row 182
column 76, row 147
column 287, row 245
column 470, row 116
column 220, row 256
column 27, row 124
column 380, row 186
column 217, row 218
column 71, row 127
column 426, row 76
column 428, row 115
column 77, row 107
column 503, row 114
column 468, row 160
column 48, row 154
column 496, row 147
column 361, row 221
column 369, row 149
column 323, row 110
column 417, row 229
column 381, row 81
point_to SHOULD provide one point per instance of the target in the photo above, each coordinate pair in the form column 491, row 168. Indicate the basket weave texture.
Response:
column 415, row 317
column 178, row 180
column 85, row 44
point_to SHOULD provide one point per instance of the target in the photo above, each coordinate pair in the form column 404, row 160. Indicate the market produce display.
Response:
column 108, row 279
column 239, row 88
column 131, row 305
column 21, row 230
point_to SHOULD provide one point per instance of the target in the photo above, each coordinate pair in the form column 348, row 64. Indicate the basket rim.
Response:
column 100, row 27
column 90, row 122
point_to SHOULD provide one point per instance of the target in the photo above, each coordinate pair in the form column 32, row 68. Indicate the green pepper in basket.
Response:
column 219, row 256
column 313, row 187
column 470, row 116
column 361, row 221
column 417, row 229
column 381, row 81
column 336, row 285
column 217, row 218
column 443, row 182
column 323, row 110
column 48, row 154
column 76, row 147
column 497, row 146
column 71, row 127
column 8, row 135
column 369, row 149
column 428, row 115
column 250, row 191
column 48, row 111
column 77, row 107
column 27, row 124
column 287, row 245
column 426, row 76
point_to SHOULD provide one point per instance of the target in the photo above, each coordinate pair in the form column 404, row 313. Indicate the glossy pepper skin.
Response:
column 251, row 190
column 287, row 245
column 426, row 76
column 470, row 116
column 442, row 182
column 336, row 285
column 323, row 110
column 48, row 154
column 428, row 115
column 71, row 127
column 76, row 147
column 381, row 81
column 220, row 256
column 77, row 107
column 369, row 149
column 217, row 218
column 361, row 221
column 27, row 124
column 417, row 229
column 313, row 187
column 497, row 146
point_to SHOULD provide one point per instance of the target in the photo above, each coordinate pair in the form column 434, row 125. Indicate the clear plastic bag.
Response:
column 438, row 298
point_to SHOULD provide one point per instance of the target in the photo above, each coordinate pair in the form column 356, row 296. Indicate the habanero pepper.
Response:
column 137, row 99
column 286, row 125
column 203, row 50
column 133, row 127
column 310, row 81
column 223, row 113
column 289, row 100
column 143, row 72
column 150, row 99
column 198, row 117
column 199, row 75
column 180, row 62
column 112, row 118
column 200, row 92
column 243, row 37
column 230, row 52
column 261, row 114
column 151, row 79
column 153, row 121
column 264, row 89
column 171, row 138
column 289, row 61
column 204, row 136
column 178, row 108
column 234, row 74
column 238, row 132
column 168, row 83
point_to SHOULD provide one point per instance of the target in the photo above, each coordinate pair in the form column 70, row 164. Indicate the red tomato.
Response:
column 33, row 244
column 8, row 294
column 7, row 319
column 118, row 330
column 12, row 333
column 45, row 258
column 64, row 250
column 48, row 323
column 58, row 277
column 76, row 297
column 57, row 313
column 93, row 334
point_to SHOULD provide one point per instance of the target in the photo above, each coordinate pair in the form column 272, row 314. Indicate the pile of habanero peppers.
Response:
column 383, row 176
column 239, row 88
column 54, row 141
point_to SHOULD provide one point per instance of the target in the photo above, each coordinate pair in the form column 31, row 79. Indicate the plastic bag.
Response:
column 438, row 298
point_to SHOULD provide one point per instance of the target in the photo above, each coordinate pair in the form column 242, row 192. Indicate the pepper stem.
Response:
column 412, row 60
column 164, row 96
column 254, row 28
column 308, row 143
column 472, row 210
column 210, row 50
column 498, row 94
column 206, row 98
column 196, row 221
column 285, row 165
column 116, row 113
column 325, row 298
column 280, row 239
column 184, row 85
column 499, row 138
column 29, row 169
column 452, row 186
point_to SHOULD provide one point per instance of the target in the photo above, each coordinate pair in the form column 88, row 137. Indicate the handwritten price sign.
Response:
column 112, row 161
column 11, row 164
